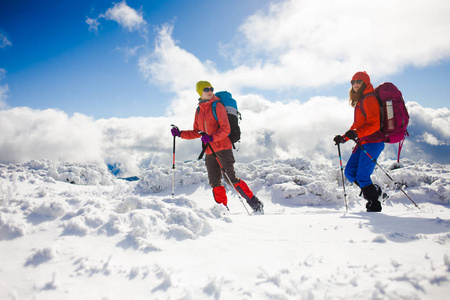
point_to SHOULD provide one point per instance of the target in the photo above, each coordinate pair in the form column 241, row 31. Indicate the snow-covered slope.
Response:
column 73, row 231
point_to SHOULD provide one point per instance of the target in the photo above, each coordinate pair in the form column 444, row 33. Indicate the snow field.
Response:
column 104, row 238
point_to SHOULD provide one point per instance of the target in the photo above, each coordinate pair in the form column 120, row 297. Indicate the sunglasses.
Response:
column 208, row 89
column 359, row 81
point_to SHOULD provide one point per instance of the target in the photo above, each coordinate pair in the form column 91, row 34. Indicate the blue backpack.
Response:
column 233, row 114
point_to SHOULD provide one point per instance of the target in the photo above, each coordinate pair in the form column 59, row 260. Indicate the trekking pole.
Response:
column 173, row 165
column 342, row 173
column 225, row 173
column 396, row 183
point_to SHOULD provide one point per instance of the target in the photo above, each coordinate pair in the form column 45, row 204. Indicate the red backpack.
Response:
column 393, row 113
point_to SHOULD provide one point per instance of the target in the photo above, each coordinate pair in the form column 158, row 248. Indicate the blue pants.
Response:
column 359, row 166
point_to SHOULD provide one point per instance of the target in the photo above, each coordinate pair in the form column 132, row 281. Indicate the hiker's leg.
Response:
column 226, row 158
column 214, row 171
column 352, row 165
column 366, row 165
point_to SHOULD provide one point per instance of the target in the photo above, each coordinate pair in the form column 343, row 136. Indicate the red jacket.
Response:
column 367, row 120
column 205, row 121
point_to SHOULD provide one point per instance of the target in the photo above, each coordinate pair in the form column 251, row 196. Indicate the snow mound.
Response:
column 93, row 210
column 427, row 182
column 159, row 178
column 300, row 182
column 48, row 171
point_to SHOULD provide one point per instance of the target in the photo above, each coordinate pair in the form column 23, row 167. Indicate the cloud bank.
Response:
column 429, row 134
column 270, row 130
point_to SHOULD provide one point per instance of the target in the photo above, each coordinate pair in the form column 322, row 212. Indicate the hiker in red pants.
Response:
column 216, row 134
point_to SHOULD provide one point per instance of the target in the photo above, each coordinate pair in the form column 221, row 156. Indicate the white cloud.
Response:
column 93, row 24
column 4, row 89
column 430, row 139
column 2, row 74
column 429, row 131
column 435, row 121
column 304, row 44
column 34, row 134
column 4, row 42
column 315, row 41
column 135, row 142
column 157, row 67
column 126, row 16
column 129, row 52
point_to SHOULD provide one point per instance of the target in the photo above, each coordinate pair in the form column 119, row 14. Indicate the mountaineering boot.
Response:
column 375, row 206
column 378, row 188
column 256, row 205
column 371, row 194
column 381, row 195
column 220, row 195
column 248, row 195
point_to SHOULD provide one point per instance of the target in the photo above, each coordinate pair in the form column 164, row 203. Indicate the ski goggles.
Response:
column 359, row 81
column 208, row 89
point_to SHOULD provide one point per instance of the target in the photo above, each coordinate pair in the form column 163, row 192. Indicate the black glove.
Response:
column 351, row 134
column 339, row 139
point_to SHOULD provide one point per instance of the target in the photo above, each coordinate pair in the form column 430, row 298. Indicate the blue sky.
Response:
column 53, row 60
column 50, row 58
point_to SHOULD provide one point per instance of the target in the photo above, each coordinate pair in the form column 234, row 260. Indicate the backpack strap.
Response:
column 203, row 151
column 214, row 108
column 400, row 145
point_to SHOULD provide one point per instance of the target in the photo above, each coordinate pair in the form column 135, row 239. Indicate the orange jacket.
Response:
column 205, row 121
column 368, row 123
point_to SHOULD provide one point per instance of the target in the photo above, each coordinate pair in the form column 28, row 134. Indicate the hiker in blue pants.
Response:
column 365, row 129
